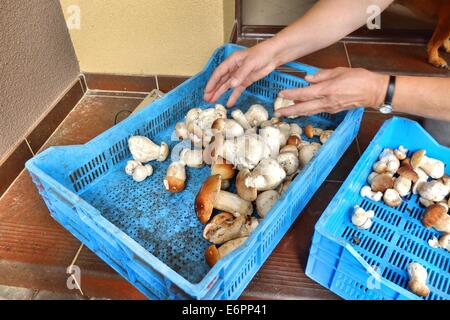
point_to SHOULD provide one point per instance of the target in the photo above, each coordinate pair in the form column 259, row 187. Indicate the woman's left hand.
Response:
column 336, row 90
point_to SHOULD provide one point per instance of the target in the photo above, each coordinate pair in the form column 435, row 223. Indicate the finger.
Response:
column 241, row 73
column 209, row 96
column 303, row 109
column 226, row 67
column 303, row 94
column 322, row 75
column 235, row 96
column 223, row 88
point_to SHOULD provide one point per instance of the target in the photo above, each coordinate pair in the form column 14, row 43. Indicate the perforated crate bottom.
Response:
column 396, row 238
column 165, row 224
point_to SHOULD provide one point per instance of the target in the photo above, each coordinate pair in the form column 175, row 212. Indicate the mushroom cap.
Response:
column 382, row 182
column 309, row 131
column 212, row 255
column 294, row 141
column 173, row 184
column 408, row 173
column 433, row 215
column 216, row 223
column 417, row 158
column 392, row 198
column 246, row 193
column 223, row 168
column 206, row 196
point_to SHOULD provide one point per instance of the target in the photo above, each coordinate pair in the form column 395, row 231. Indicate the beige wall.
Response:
column 173, row 37
column 37, row 63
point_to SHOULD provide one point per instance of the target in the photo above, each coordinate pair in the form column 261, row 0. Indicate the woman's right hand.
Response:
column 240, row 70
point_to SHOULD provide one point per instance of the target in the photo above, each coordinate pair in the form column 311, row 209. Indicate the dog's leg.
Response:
column 439, row 39
column 447, row 44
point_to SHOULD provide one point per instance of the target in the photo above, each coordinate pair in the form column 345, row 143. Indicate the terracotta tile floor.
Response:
column 35, row 250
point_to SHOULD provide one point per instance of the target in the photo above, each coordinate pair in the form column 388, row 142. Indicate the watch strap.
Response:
column 390, row 91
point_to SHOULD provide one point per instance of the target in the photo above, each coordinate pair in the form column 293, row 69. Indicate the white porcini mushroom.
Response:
column 192, row 116
column 281, row 103
column 270, row 122
column 265, row 202
column 181, row 131
column 371, row 177
column 418, row 279
column 224, row 227
column 211, row 197
column 361, row 218
column 228, row 127
column 267, row 175
column 244, row 152
column 407, row 176
column 199, row 123
column 434, row 191
column 175, row 177
column 214, row 254
column 325, row 135
column 443, row 242
column 192, row 158
column 401, row 153
column 285, row 130
column 272, row 138
column 392, row 198
column 425, row 202
column 296, row 130
column 310, row 131
column 131, row 165
column 422, row 179
column 436, row 216
column 306, row 153
column 141, row 172
column 221, row 110
column 387, row 163
column 256, row 115
column 289, row 162
column 239, row 116
column 366, row 192
column 145, row 150
column 246, row 193
column 433, row 167
column 289, row 148
column 402, row 185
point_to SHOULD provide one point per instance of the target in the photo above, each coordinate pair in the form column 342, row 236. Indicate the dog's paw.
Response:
column 439, row 62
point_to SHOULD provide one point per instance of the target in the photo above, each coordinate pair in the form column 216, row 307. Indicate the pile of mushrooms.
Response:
column 395, row 176
column 260, row 155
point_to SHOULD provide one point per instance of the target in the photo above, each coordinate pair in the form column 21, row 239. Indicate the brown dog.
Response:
column 438, row 10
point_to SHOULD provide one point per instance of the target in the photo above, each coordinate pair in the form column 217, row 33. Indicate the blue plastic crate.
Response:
column 375, row 268
column 153, row 238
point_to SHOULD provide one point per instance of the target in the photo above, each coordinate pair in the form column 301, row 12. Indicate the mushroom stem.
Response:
column 230, row 202
column 214, row 254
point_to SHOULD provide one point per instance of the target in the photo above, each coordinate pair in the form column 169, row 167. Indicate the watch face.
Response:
column 386, row 109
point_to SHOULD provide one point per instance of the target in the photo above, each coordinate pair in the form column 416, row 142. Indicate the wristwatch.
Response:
column 386, row 107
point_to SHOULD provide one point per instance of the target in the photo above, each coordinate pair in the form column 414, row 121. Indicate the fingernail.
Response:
column 281, row 94
column 309, row 77
column 234, row 82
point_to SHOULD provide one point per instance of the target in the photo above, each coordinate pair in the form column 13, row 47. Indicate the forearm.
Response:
column 423, row 96
column 324, row 24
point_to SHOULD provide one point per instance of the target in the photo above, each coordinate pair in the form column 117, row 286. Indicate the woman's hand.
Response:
column 336, row 90
column 240, row 70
